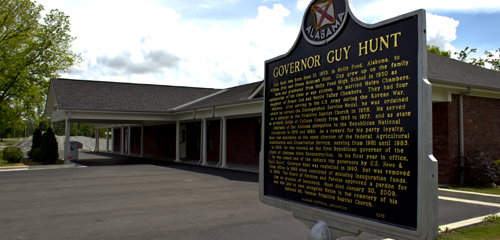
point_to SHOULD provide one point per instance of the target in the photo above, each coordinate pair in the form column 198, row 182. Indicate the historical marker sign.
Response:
column 347, row 136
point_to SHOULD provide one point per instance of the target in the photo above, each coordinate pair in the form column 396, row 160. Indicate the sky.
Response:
column 224, row 43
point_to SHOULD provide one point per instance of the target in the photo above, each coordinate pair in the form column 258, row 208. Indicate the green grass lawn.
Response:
column 486, row 231
column 489, row 229
column 478, row 190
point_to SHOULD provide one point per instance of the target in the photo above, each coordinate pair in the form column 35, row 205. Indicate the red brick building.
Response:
column 223, row 126
column 468, row 96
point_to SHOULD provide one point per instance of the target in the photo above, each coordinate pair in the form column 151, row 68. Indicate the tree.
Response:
column 10, row 121
column 6, row 116
column 36, row 141
column 436, row 50
column 32, row 50
column 43, row 122
column 49, row 150
column 491, row 59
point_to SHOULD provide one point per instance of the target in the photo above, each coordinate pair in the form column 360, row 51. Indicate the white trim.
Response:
column 259, row 88
column 178, row 141
column 107, row 139
column 129, row 136
column 122, row 139
column 203, row 144
column 97, row 139
column 223, row 138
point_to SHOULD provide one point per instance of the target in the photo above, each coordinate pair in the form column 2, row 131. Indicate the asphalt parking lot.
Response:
column 139, row 201
column 130, row 198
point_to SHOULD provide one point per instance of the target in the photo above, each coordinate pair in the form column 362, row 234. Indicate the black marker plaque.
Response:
column 341, row 117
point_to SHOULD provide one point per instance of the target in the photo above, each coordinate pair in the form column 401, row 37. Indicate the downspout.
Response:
column 220, row 137
column 461, row 131
column 201, row 136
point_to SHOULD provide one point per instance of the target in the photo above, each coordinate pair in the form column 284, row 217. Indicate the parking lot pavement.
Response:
column 118, row 197
column 139, row 201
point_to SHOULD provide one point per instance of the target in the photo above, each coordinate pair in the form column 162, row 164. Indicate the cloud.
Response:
column 302, row 4
column 377, row 10
column 147, row 43
column 161, row 58
column 155, row 61
column 441, row 31
column 116, row 63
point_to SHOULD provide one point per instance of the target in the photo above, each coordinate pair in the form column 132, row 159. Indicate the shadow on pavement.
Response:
column 96, row 159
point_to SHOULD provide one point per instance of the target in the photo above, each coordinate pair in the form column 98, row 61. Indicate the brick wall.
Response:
column 213, row 137
column 135, row 140
column 193, row 140
column 446, row 141
column 481, row 131
column 481, row 124
column 241, row 141
column 159, row 140
column 117, row 132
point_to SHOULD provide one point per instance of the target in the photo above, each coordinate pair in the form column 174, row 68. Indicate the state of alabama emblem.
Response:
column 322, row 20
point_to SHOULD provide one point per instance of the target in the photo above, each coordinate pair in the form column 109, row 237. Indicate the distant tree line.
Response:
column 27, row 128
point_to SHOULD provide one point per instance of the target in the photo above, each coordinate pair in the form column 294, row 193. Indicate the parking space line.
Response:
column 469, row 201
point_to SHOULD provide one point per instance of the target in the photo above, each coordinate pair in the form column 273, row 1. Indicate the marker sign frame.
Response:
column 347, row 125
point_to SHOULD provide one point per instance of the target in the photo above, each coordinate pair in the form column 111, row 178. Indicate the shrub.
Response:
column 13, row 154
column 36, row 155
column 49, row 150
column 497, row 164
column 30, row 153
column 35, row 142
column 493, row 218
column 480, row 169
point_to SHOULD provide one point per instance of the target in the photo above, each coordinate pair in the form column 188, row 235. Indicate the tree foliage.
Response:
column 490, row 60
column 436, row 50
column 32, row 50
column 36, row 141
column 49, row 150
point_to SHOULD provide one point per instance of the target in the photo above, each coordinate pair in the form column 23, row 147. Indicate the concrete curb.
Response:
column 6, row 169
column 469, row 195
column 42, row 167
column 70, row 165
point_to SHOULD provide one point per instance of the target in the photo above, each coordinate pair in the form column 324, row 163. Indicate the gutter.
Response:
column 461, row 131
